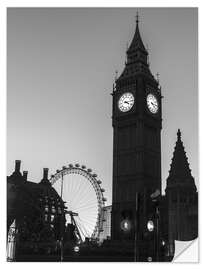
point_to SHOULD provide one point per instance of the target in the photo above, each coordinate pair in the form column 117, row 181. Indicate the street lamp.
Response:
column 126, row 225
column 76, row 249
column 150, row 226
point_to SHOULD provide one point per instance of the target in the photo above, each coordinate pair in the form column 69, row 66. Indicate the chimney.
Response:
column 45, row 173
column 17, row 165
column 25, row 175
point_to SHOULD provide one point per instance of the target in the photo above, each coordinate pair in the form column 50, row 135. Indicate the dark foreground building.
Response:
column 35, row 217
column 143, row 222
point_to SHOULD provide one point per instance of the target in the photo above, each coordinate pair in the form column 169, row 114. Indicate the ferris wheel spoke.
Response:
column 77, row 187
column 90, row 220
column 73, row 195
column 87, row 221
column 83, row 200
column 81, row 193
column 80, row 230
column 78, row 194
column 68, row 189
column 87, row 200
column 85, row 230
column 81, row 206
column 89, row 206
column 73, row 187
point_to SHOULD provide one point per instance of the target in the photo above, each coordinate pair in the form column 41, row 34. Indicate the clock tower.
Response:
column 136, row 121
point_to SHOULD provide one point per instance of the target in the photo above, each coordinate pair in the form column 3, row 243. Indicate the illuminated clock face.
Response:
column 152, row 103
column 126, row 102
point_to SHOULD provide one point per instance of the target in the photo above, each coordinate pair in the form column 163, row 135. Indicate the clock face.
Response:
column 152, row 103
column 126, row 102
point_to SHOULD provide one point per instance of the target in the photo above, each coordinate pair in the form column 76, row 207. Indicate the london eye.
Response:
column 81, row 189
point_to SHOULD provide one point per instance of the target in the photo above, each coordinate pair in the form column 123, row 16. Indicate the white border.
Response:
column 76, row 3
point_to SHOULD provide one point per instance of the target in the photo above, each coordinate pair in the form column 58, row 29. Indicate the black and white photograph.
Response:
column 102, row 134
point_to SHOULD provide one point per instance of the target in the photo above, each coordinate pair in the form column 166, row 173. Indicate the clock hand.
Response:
column 153, row 104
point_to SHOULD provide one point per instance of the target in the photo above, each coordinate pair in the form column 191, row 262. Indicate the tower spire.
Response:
column 137, row 43
column 136, row 61
column 137, row 18
column 179, row 172
column 179, row 135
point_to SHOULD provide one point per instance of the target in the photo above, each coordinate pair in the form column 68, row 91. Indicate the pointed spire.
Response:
column 137, row 61
column 137, row 43
column 137, row 18
column 179, row 135
column 179, row 166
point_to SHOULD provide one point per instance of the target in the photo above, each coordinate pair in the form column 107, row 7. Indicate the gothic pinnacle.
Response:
column 137, row 18
column 179, row 134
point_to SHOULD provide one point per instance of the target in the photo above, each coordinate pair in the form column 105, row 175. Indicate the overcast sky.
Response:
column 61, row 67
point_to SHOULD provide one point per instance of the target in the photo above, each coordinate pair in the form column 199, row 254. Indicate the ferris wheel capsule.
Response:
column 64, row 167
column 70, row 165
column 94, row 175
column 104, row 199
column 89, row 170
column 57, row 171
column 83, row 166
column 102, row 190
column 99, row 182
column 77, row 165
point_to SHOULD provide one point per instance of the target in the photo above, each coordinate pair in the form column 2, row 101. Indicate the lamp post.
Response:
column 61, row 240
column 155, row 199
column 157, row 231
column 136, row 226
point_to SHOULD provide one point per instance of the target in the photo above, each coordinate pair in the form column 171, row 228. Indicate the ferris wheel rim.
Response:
column 92, row 178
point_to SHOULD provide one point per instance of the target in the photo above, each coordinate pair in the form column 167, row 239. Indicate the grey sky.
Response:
column 61, row 67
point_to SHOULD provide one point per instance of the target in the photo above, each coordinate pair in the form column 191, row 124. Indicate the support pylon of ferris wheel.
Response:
column 81, row 189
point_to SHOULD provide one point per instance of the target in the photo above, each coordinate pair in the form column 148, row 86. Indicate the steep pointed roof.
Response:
column 137, row 61
column 137, row 43
column 179, row 165
column 179, row 172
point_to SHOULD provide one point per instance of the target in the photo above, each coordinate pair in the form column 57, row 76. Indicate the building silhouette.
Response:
column 106, row 226
column 182, row 197
column 137, row 141
column 143, row 220
column 38, row 214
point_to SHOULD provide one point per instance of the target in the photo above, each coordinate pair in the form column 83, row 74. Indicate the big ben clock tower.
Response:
column 136, row 120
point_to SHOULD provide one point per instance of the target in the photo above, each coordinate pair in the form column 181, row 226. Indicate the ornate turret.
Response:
column 180, row 173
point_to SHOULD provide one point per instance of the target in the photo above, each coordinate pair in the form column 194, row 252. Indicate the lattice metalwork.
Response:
column 79, row 192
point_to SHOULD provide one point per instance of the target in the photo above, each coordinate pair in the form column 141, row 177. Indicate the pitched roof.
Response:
column 136, row 43
column 180, row 172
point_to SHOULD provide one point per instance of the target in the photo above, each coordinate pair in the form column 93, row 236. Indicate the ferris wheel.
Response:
column 83, row 194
